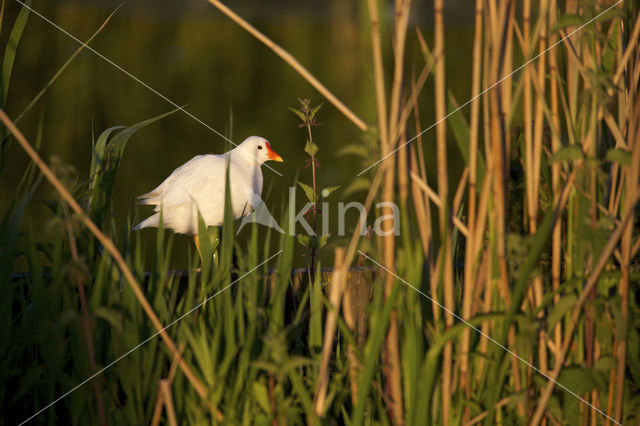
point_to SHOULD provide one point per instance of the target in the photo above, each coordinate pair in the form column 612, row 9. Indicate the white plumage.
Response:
column 199, row 185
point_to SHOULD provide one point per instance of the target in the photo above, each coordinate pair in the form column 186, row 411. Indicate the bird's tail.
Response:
column 149, row 222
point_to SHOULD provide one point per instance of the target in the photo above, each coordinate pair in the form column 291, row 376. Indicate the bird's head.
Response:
column 259, row 148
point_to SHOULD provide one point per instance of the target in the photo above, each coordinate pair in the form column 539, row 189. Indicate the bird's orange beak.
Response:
column 272, row 155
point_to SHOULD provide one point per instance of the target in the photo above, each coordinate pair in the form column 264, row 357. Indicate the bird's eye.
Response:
column 259, row 146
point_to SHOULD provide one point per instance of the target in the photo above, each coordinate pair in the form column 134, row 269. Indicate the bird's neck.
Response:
column 245, row 158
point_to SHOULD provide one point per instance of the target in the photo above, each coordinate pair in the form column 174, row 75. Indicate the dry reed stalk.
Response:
column 618, row 197
column 378, row 73
column 479, row 417
column 435, row 198
column 113, row 251
column 403, row 165
column 493, row 31
column 418, row 205
column 615, row 131
column 590, row 283
column 537, row 155
column 631, row 45
column 636, row 247
column 507, row 76
column 165, row 388
column 567, row 115
column 481, row 276
column 443, row 193
column 157, row 411
column 391, row 348
column 487, row 302
column 571, row 8
column 478, row 239
column 528, row 120
column 335, row 298
column 499, row 166
column 590, row 148
column 623, row 103
column 486, row 116
column 556, row 245
column 610, row 389
column 390, row 352
column 615, row 168
column 499, row 161
column 580, row 68
column 483, row 210
column 400, row 35
column 416, row 85
column 387, row 166
column 539, row 107
column 378, row 69
column 546, row 109
column 632, row 182
column 490, row 25
column 423, row 168
column 431, row 194
column 470, row 256
column 292, row 61
column 427, row 210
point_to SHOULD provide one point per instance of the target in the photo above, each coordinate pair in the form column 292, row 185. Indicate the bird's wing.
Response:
column 203, row 173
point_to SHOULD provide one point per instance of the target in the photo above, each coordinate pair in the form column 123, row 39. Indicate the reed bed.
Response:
column 510, row 295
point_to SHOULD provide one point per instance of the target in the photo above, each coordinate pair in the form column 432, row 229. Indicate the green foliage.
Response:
column 107, row 155
column 619, row 156
column 567, row 153
column 309, row 192
column 311, row 148
column 312, row 243
column 299, row 113
column 12, row 48
column 328, row 190
column 7, row 65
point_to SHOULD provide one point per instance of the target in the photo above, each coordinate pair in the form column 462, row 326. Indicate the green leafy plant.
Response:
column 314, row 242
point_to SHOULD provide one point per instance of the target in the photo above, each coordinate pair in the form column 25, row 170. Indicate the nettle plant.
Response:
column 312, row 241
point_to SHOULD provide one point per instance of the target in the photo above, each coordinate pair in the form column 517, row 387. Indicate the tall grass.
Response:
column 516, row 304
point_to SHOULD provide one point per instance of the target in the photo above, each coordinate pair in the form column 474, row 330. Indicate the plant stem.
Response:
column 443, row 193
column 556, row 249
column 470, row 254
column 314, row 207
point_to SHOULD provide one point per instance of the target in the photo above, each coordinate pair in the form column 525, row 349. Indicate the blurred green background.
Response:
column 192, row 54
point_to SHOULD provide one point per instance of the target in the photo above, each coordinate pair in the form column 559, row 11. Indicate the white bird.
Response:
column 199, row 186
